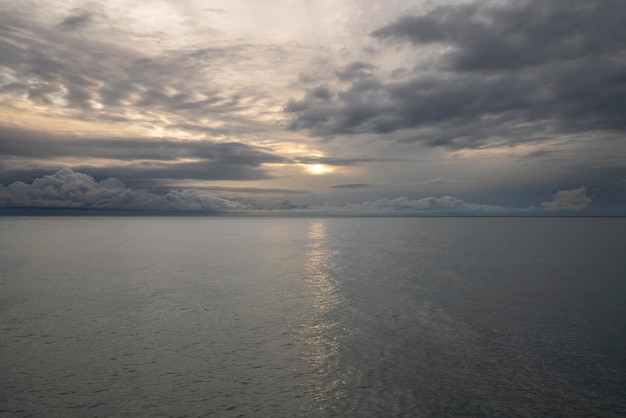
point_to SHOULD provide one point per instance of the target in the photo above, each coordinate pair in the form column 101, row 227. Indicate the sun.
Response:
column 318, row 169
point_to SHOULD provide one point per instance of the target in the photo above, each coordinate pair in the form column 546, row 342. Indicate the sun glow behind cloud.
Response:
column 318, row 169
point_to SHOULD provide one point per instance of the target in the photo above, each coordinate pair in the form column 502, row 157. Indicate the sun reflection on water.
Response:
column 321, row 331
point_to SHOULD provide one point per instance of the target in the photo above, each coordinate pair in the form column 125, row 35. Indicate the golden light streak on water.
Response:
column 321, row 330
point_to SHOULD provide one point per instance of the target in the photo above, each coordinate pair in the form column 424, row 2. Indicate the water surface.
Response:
column 315, row 317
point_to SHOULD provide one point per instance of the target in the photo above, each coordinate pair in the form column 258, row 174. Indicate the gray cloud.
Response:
column 252, row 190
column 513, row 35
column 136, row 174
column 445, row 204
column 401, row 206
column 20, row 143
column 102, row 80
column 354, row 71
column 566, row 200
column 75, row 21
column 352, row 186
column 150, row 158
column 67, row 189
column 512, row 72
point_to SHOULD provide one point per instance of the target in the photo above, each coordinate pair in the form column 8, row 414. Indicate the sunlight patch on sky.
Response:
column 318, row 169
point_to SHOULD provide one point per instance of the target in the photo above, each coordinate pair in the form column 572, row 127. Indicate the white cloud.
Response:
column 575, row 199
column 73, row 190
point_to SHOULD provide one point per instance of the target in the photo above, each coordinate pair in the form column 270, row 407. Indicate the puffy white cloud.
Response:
column 73, row 190
column 575, row 199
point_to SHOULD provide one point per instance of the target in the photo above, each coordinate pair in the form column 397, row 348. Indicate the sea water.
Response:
column 312, row 317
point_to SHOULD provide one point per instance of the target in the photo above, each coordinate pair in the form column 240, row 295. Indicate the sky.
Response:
column 401, row 107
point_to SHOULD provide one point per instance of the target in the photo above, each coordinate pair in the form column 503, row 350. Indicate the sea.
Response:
column 312, row 317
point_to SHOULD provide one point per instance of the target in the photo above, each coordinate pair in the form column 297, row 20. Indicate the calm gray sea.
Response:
column 313, row 317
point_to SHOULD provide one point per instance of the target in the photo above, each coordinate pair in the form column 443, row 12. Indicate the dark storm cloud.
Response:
column 511, row 72
column 150, row 175
column 135, row 173
column 32, row 144
column 138, row 158
column 517, row 34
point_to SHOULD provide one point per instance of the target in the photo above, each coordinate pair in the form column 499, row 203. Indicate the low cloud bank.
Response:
column 67, row 189
column 445, row 204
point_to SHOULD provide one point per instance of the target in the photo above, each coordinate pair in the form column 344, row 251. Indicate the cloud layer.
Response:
column 461, row 106
column 435, row 205
column 67, row 189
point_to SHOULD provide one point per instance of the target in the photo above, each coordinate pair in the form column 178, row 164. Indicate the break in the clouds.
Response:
column 327, row 106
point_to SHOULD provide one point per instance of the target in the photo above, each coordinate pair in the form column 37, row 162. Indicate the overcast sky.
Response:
column 342, row 106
